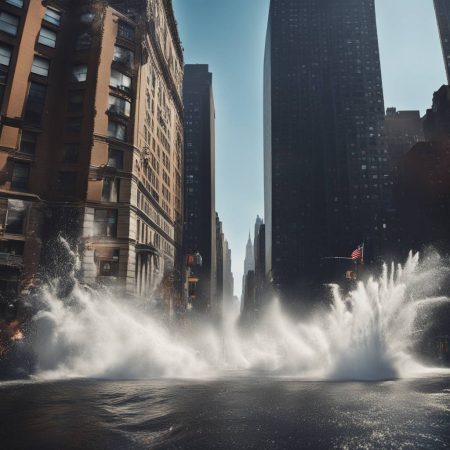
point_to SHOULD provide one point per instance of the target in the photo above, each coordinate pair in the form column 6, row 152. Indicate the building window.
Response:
column 79, row 73
column 83, row 41
column 66, row 182
column 12, row 247
column 105, row 223
column 21, row 176
column 5, row 59
column 115, row 158
column 8, row 23
column 126, row 31
column 52, row 16
column 28, row 143
column 35, row 103
column 70, row 153
column 73, row 125
column 108, row 269
column 120, row 81
column 47, row 37
column 40, row 66
column 111, row 189
column 117, row 130
column 119, row 105
column 109, row 266
column 123, row 55
column 18, row 3
column 16, row 215
column 5, row 55
column 75, row 102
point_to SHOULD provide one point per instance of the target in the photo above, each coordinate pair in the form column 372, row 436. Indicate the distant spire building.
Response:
column 249, row 263
column 442, row 8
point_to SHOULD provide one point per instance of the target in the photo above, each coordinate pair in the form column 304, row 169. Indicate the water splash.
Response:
column 366, row 335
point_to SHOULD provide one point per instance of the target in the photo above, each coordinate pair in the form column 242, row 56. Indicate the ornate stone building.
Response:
column 92, row 138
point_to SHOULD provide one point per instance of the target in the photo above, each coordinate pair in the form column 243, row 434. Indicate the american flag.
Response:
column 358, row 253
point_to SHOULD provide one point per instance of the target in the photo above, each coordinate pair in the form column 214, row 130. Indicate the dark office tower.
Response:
column 442, row 8
column 220, row 242
column 403, row 129
column 260, row 263
column 254, row 273
column 228, row 279
column 425, row 181
column 224, row 275
column 425, row 202
column 199, row 177
column 325, row 163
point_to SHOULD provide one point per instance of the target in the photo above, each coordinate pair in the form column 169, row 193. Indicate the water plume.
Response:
column 366, row 335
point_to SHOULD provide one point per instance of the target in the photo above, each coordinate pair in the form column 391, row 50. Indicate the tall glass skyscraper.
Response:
column 326, row 166
column 442, row 8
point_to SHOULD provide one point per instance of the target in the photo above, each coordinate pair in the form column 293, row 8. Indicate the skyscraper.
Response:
column 403, row 129
column 442, row 8
column 425, row 181
column 249, row 262
column 326, row 166
column 228, row 279
column 253, row 283
column 260, row 263
column 224, row 275
column 249, row 267
column 220, row 244
column 199, row 177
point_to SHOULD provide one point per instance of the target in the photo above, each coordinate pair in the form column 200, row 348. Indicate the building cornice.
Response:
column 173, row 26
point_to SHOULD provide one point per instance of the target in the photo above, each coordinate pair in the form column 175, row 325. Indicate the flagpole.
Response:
column 338, row 257
column 362, row 254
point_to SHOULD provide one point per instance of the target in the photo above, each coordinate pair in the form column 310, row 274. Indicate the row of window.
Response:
column 66, row 182
column 36, row 96
column 9, row 24
column 145, row 206
column 119, row 80
column 119, row 105
column 144, row 235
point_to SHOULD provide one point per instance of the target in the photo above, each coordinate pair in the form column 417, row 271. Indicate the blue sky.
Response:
column 229, row 35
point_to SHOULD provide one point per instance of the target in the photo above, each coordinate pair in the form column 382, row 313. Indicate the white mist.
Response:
column 366, row 336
